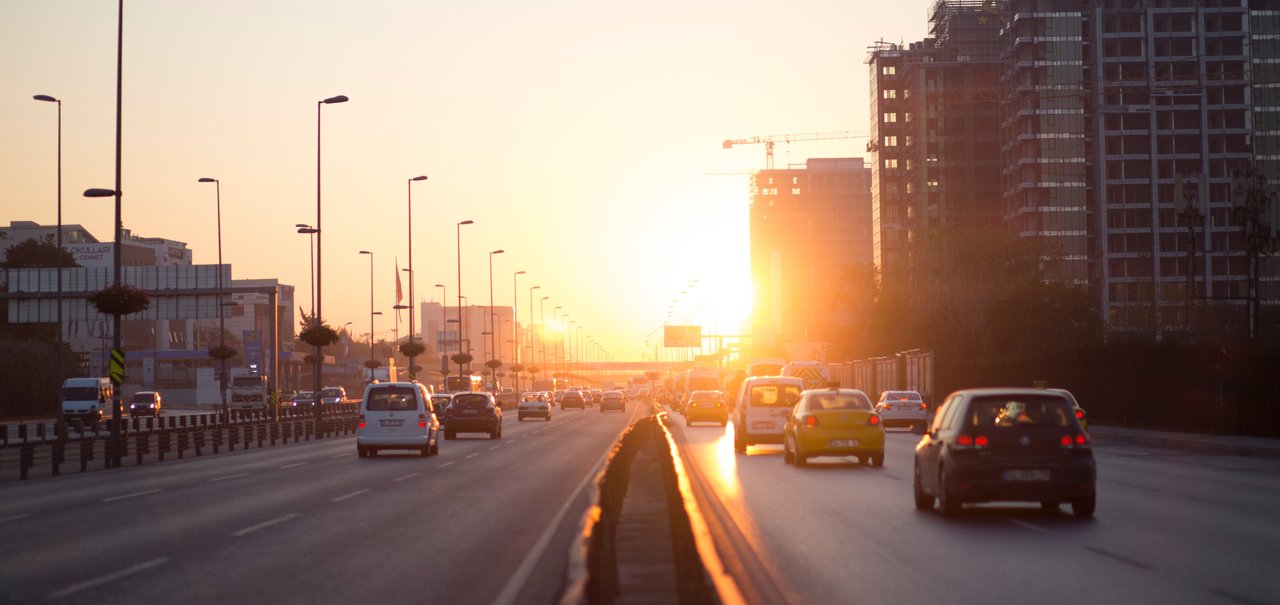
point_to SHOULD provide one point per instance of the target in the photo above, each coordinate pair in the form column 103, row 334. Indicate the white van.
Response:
column 86, row 399
column 762, row 405
column 397, row 416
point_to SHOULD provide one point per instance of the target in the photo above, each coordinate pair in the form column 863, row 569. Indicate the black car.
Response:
column 990, row 445
column 473, row 412
column 573, row 399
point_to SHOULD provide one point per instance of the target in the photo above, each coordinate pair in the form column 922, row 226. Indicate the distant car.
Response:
column 573, row 399
column 145, row 403
column 761, row 409
column 333, row 395
column 397, row 415
column 304, row 399
column 611, row 400
column 287, row 397
column 533, row 407
column 440, row 403
column 1080, row 413
column 903, row 408
column 706, row 406
column 507, row 398
column 473, row 412
column 989, row 445
column 833, row 422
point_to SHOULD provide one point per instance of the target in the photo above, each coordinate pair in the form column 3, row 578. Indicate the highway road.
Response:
column 486, row 521
column 1172, row 526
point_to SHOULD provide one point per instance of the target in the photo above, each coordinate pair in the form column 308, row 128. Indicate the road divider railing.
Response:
column 592, row 575
column 40, row 448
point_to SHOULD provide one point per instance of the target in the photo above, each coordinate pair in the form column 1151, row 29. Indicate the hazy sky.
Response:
column 577, row 135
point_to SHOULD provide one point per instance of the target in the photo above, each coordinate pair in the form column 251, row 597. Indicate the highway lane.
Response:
column 1171, row 527
column 313, row 522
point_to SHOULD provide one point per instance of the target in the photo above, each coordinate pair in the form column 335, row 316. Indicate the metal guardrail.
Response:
column 592, row 574
column 37, row 448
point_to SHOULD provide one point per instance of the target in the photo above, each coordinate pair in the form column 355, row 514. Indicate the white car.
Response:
column 533, row 407
column 762, row 408
column 397, row 416
column 333, row 395
column 903, row 408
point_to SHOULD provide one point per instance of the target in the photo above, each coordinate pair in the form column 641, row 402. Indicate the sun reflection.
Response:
column 724, row 471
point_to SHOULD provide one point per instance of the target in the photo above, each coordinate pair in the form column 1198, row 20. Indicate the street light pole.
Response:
column 413, row 302
column 222, row 325
column 58, row 237
column 493, row 343
column 319, row 316
column 310, row 232
column 460, row 324
column 371, row 358
column 444, row 301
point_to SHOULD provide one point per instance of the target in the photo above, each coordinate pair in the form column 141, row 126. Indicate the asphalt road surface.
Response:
column 1172, row 527
column 486, row 521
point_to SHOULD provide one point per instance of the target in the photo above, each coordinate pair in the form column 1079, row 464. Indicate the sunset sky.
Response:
column 577, row 135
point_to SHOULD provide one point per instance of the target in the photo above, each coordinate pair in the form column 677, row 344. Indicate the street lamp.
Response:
column 222, row 325
column 320, row 245
column 542, row 330
column 310, row 232
column 413, row 302
column 459, row 241
column 515, row 293
column 114, row 460
column 49, row 99
column 492, row 341
column 444, row 301
column 371, row 311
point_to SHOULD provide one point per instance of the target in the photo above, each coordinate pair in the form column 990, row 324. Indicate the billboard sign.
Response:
column 682, row 336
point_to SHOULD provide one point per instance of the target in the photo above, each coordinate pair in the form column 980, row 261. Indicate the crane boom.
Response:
column 770, row 140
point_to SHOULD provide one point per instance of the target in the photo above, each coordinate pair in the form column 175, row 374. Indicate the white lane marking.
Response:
column 14, row 517
column 264, row 525
column 495, row 447
column 87, row 584
column 215, row 479
column 292, row 465
column 522, row 573
column 340, row 456
column 472, row 455
column 409, row 476
column 1030, row 526
column 349, row 496
column 133, row 495
column 447, row 463
column 512, row 440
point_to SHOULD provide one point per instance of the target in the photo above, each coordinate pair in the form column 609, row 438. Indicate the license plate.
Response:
column 842, row 443
column 1026, row 475
column 391, row 422
column 762, row 425
column 470, row 411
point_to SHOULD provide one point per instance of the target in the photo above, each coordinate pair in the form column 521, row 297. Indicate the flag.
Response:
column 399, row 290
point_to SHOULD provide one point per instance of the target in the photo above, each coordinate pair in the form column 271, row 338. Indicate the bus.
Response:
column 462, row 384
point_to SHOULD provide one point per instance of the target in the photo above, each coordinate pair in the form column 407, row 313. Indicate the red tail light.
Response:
column 811, row 421
column 1066, row 441
column 923, row 407
column 362, row 421
column 1082, row 440
column 963, row 440
column 981, row 441
column 1079, row 414
column 873, row 420
column 422, row 421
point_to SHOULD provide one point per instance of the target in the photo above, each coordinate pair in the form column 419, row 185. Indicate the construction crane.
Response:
column 769, row 140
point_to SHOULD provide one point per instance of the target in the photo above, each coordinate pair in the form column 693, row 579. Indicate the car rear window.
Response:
column 775, row 395
column 392, row 399
column 143, row 398
column 470, row 401
column 1005, row 412
column 839, row 401
column 901, row 396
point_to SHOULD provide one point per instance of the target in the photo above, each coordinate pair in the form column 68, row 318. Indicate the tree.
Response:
column 34, row 254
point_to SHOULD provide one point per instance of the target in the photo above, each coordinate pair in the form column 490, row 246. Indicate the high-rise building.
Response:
column 808, row 227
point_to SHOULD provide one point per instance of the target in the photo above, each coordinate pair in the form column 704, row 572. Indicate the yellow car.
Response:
column 833, row 422
column 1079, row 411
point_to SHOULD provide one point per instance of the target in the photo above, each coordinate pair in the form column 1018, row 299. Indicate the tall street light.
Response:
column 444, row 301
column 530, row 334
column 371, row 311
column 49, row 99
column 310, row 232
column 413, row 302
column 555, row 353
column 542, row 330
column 515, row 332
column 222, row 325
column 409, row 307
column 320, row 246
column 460, row 324
column 493, row 344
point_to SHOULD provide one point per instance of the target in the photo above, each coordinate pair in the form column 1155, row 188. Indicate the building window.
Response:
column 890, row 118
column 890, row 94
column 795, row 191
column 888, row 70
column 890, row 163
column 891, row 141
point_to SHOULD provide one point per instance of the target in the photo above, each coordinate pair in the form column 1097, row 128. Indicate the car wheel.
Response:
column 424, row 451
column 947, row 501
column 1049, row 504
column 1084, row 507
column 373, row 451
column 688, row 422
column 494, row 434
column 362, row 452
column 435, row 448
column 923, row 501
column 787, row 456
column 877, row 459
column 739, row 443
column 450, row 434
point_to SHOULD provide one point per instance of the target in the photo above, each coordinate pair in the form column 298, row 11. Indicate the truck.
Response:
column 86, row 399
column 248, row 391
column 463, row 384
column 814, row 374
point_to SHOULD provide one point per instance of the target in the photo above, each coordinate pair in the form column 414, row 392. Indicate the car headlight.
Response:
column 132, row 406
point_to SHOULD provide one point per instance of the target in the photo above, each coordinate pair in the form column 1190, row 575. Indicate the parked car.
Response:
column 146, row 403
column 573, row 399
column 533, row 407
column 833, row 422
column 1006, row 444
column 762, row 406
column 473, row 412
column 612, row 400
column 706, row 406
column 397, row 415
column 903, row 408
column 1080, row 413
column 333, row 395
